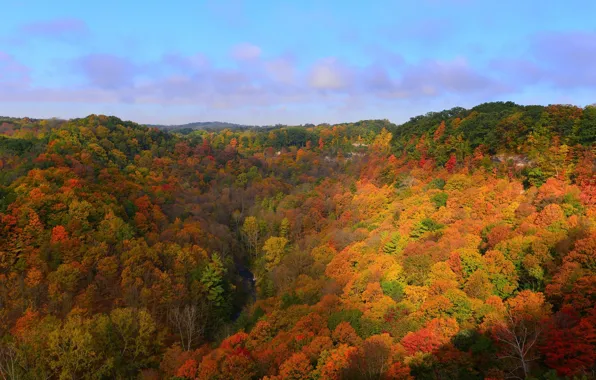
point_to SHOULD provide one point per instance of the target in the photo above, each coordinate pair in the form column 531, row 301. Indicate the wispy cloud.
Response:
column 62, row 29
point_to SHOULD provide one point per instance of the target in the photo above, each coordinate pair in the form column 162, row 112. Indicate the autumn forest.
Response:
column 458, row 245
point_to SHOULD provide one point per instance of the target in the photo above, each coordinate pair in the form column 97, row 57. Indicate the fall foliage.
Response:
column 460, row 244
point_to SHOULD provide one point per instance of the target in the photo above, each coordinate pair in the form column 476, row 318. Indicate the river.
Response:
column 248, row 287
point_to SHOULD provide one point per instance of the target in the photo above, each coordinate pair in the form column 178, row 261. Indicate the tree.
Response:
column 440, row 131
column 394, row 245
column 424, row 226
column 188, row 369
column 212, row 280
column 440, row 199
column 569, row 344
column 284, row 228
column 382, row 142
column 478, row 285
column 518, row 339
column 190, row 322
column 519, row 333
column 251, row 231
column 73, row 350
column 374, row 357
column 398, row 371
column 424, row 340
column 450, row 165
column 338, row 363
column 134, row 339
column 274, row 249
column 297, row 367
column 9, row 363
column 345, row 333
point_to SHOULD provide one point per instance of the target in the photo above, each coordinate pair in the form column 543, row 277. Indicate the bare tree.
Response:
column 374, row 357
column 518, row 337
column 9, row 366
column 190, row 322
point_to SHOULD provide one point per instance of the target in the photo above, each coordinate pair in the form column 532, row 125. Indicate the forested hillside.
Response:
column 458, row 245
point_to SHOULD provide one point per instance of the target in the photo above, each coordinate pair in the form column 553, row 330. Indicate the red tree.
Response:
column 450, row 165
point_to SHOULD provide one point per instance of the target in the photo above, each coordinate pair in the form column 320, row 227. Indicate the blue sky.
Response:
column 292, row 62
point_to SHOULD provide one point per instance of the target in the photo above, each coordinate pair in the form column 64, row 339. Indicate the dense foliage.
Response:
column 461, row 244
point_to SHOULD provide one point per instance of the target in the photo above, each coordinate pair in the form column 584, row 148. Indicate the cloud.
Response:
column 177, row 79
column 281, row 70
column 12, row 73
column 107, row 71
column 62, row 29
column 246, row 52
column 555, row 60
column 568, row 57
column 185, row 63
column 376, row 79
column 429, row 78
column 265, row 84
column 454, row 76
column 518, row 71
column 328, row 74
column 383, row 56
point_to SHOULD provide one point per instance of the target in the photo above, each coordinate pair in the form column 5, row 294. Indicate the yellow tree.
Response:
column 250, row 228
column 382, row 142
column 274, row 249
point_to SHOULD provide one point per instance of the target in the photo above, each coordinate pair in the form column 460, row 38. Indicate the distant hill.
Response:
column 213, row 125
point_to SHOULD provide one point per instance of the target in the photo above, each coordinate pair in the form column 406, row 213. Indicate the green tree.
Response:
column 439, row 199
column 394, row 245
column 213, row 281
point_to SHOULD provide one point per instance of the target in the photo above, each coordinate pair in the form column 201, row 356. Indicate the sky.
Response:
column 290, row 62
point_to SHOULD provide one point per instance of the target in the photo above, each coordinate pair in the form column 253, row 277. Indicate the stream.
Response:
column 248, row 287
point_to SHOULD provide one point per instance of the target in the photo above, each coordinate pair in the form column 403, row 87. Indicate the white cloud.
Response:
column 328, row 74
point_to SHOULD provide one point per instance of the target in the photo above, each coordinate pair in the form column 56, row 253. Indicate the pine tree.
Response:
column 392, row 246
